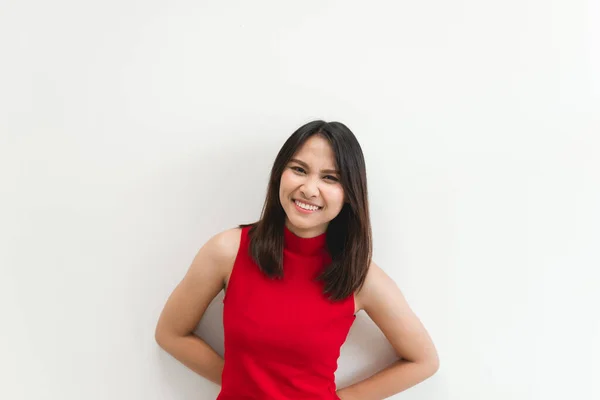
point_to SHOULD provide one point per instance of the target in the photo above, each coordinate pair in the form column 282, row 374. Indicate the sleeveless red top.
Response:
column 282, row 337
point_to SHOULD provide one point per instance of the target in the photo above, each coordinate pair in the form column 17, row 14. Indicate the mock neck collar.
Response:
column 305, row 246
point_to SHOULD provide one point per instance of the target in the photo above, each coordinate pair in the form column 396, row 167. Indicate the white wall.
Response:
column 133, row 131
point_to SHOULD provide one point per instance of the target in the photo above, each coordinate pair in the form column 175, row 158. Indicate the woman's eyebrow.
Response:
column 305, row 165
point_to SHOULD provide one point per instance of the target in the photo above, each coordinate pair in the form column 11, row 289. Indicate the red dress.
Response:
column 282, row 337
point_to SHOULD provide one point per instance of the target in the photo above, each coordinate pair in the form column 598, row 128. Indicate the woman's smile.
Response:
column 305, row 208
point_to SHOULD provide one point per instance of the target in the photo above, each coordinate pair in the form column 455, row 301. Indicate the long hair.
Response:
column 348, row 236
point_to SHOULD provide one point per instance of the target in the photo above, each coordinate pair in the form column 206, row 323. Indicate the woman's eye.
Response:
column 301, row 170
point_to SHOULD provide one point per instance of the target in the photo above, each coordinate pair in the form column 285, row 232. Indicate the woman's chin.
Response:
column 300, row 223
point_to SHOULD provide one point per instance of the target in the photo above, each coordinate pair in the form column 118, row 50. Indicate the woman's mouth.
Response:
column 305, row 208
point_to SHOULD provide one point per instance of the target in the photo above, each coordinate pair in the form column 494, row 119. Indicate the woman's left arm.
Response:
column 385, row 304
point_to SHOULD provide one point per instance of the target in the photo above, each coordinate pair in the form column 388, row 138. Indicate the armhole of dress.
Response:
column 243, row 234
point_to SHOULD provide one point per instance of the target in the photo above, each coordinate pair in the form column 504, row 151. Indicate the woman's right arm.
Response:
column 188, row 302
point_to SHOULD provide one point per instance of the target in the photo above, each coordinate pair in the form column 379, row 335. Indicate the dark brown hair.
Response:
column 348, row 236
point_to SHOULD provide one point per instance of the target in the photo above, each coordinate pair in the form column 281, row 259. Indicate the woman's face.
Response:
column 311, row 177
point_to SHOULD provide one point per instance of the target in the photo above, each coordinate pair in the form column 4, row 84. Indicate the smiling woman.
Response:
column 306, row 188
column 294, row 281
column 321, row 165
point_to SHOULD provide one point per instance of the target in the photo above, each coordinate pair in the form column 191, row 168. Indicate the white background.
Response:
column 133, row 131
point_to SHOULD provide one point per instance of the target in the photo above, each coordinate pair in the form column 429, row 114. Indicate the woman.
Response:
column 294, row 281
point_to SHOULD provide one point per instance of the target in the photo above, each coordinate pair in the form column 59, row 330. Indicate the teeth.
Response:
column 306, row 206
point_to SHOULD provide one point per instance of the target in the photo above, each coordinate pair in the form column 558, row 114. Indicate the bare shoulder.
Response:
column 374, row 280
column 204, row 279
column 214, row 261
column 224, row 245
column 380, row 293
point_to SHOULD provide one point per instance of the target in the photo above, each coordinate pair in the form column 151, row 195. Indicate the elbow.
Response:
column 166, row 338
column 432, row 365
column 435, row 368
column 431, row 361
column 429, row 365
column 161, row 337
column 158, row 337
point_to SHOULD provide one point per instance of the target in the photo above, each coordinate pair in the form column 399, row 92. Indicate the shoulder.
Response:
column 202, row 282
column 224, row 245
column 375, row 282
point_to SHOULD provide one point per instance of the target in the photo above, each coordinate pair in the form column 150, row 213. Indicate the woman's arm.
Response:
column 197, row 355
column 383, row 301
column 188, row 302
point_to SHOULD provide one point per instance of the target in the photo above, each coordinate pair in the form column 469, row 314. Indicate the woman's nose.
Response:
column 310, row 188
